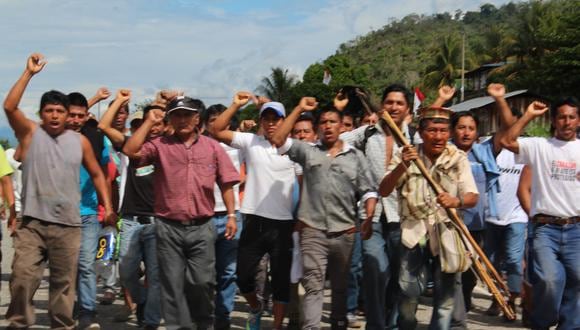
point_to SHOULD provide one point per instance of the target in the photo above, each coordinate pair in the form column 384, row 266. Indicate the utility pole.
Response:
column 463, row 67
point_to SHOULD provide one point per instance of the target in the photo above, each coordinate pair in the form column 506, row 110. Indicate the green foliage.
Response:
column 536, row 128
column 5, row 143
column 537, row 39
column 278, row 86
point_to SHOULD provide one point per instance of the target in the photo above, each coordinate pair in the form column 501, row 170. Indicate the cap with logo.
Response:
column 182, row 102
column 277, row 107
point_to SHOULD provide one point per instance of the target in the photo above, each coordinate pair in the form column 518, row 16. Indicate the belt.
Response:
column 192, row 222
column 548, row 219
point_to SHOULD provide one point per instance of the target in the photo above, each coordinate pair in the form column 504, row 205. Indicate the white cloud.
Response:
column 209, row 50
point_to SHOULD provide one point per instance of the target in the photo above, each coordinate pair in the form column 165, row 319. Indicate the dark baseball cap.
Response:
column 183, row 102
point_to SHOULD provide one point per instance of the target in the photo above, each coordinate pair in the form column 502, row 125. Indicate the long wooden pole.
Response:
column 483, row 274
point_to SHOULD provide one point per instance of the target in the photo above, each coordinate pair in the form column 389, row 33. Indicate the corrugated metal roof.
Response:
column 479, row 102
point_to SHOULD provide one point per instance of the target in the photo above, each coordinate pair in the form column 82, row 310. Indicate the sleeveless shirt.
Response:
column 50, row 178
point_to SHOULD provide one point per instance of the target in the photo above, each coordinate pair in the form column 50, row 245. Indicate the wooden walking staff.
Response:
column 484, row 273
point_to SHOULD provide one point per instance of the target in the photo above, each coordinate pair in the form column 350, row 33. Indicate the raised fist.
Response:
column 260, row 100
column 340, row 101
column 496, row 90
column 156, row 115
column 446, row 92
column 242, row 98
column 308, row 103
column 35, row 63
column 102, row 93
column 123, row 95
column 536, row 109
column 168, row 95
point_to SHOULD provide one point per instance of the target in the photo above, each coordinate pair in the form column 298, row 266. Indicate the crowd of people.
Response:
column 323, row 196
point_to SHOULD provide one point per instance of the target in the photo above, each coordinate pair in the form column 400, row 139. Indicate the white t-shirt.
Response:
column 555, row 175
column 269, row 179
column 236, row 157
column 508, row 206
column 16, row 178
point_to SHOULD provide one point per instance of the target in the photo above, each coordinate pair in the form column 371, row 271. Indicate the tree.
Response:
column 278, row 86
column 446, row 67
column 5, row 143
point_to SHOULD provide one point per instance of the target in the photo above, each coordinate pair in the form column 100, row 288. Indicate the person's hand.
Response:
column 537, row 109
column 496, row 90
column 231, row 228
column 36, row 63
column 102, row 94
column 12, row 222
column 110, row 218
column 409, row 154
column 366, row 229
column 165, row 96
column 155, row 116
column 307, row 103
column 340, row 101
column 247, row 125
column 446, row 92
column 123, row 95
column 242, row 98
column 260, row 100
column 447, row 201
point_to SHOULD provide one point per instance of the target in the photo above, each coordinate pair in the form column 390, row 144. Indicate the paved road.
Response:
column 477, row 318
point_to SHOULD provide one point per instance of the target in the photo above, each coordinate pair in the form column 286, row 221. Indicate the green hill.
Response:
column 538, row 40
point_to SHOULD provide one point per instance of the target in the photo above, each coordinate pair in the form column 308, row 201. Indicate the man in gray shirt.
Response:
column 50, row 231
column 336, row 176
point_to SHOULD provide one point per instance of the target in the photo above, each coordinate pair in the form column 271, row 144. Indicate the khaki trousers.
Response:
column 36, row 244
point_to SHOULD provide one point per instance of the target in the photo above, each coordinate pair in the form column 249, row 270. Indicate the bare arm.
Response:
column 525, row 189
column 135, row 142
column 229, row 200
column 101, row 94
column 20, row 124
column 506, row 118
column 106, row 123
column 445, row 94
column 220, row 131
column 306, row 104
column 389, row 182
column 92, row 166
column 510, row 139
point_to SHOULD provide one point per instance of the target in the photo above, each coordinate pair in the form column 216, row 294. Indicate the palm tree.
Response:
column 447, row 65
column 278, row 85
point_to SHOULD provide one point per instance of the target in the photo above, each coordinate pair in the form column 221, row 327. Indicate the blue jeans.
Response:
column 556, row 276
column 507, row 242
column 380, row 275
column 87, row 275
column 138, row 244
column 412, row 280
column 355, row 275
column 226, row 254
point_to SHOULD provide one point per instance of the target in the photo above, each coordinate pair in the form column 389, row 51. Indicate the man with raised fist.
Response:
column 555, row 213
column 267, row 206
column 50, row 231
column 336, row 177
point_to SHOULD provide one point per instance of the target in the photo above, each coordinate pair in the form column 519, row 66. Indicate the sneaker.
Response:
column 353, row 321
column 88, row 322
column 512, row 304
column 493, row 310
column 108, row 298
column 254, row 320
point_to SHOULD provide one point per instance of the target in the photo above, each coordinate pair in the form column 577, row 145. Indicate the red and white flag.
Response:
column 419, row 97
column 327, row 77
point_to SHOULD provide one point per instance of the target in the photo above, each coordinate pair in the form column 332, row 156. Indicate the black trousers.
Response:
column 260, row 236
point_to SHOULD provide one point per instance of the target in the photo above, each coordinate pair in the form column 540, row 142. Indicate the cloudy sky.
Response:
column 209, row 49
